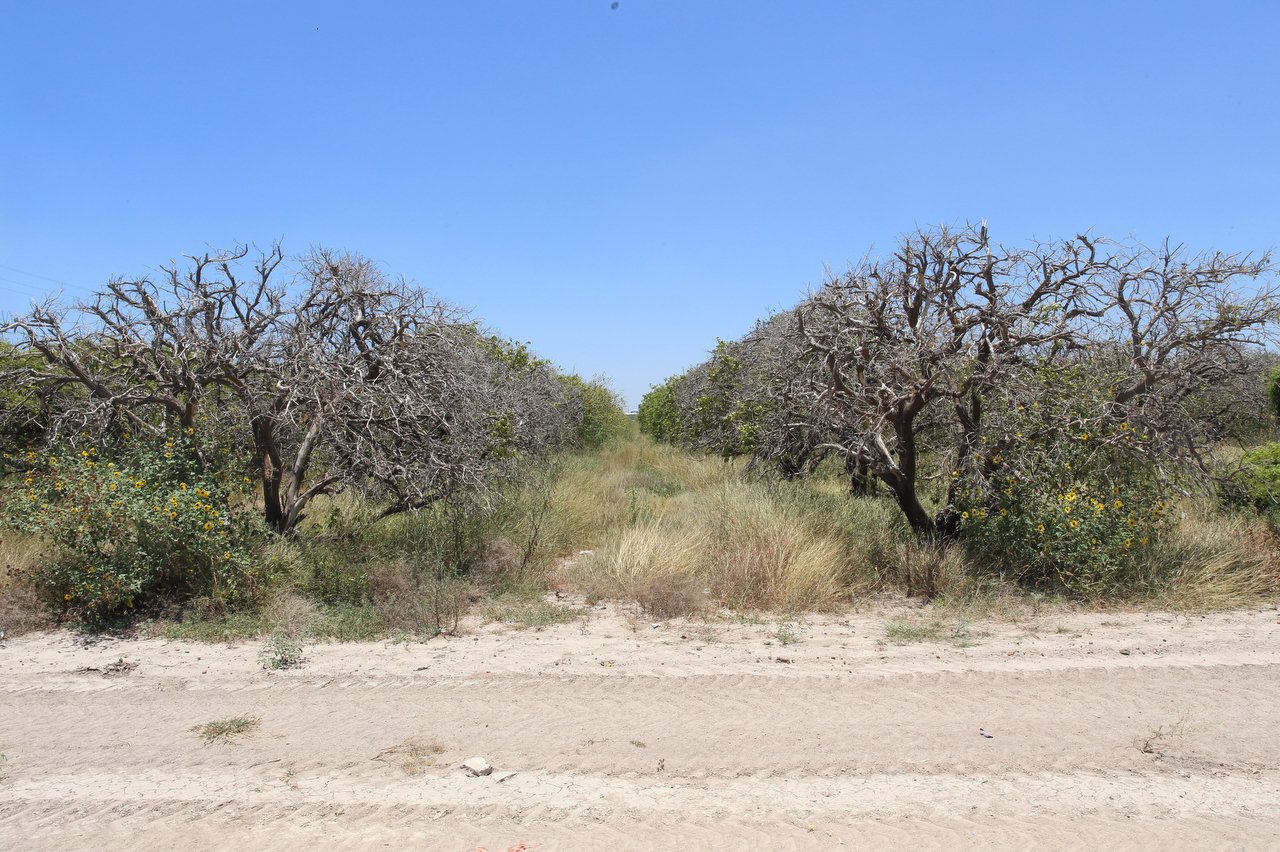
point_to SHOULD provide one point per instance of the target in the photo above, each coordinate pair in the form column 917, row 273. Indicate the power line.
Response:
column 45, row 278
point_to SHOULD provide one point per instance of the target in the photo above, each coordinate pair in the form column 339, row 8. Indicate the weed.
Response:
column 282, row 651
column 906, row 632
column 412, row 756
column 527, row 612
column 957, row 632
column 638, row 744
column 227, row 730
column 786, row 634
column 1159, row 739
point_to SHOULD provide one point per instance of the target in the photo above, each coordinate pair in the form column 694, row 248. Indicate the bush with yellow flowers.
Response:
column 136, row 523
column 1073, row 515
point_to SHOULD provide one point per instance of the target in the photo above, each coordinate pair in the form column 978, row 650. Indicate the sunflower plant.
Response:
column 138, row 522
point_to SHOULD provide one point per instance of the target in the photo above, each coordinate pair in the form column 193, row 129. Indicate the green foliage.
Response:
column 134, row 524
column 1273, row 389
column 1070, row 516
column 1256, row 483
column 603, row 418
column 658, row 416
column 516, row 355
column 22, row 421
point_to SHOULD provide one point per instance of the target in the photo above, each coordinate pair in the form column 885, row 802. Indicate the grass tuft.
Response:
column 227, row 730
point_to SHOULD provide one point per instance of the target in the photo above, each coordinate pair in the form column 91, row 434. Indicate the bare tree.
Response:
column 355, row 381
column 941, row 349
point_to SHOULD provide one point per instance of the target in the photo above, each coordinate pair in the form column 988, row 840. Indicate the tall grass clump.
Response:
column 1213, row 559
column 695, row 533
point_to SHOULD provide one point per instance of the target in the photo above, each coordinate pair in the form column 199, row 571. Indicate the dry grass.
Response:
column 1218, row 561
column 227, row 730
column 412, row 756
column 680, row 534
column 21, row 608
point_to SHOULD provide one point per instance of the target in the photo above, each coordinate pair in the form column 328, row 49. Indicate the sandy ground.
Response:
column 1074, row 731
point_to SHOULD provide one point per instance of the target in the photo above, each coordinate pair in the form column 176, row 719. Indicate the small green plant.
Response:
column 282, row 650
column 786, row 634
column 903, row 632
column 906, row 632
column 530, row 613
column 227, row 730
column 638, row 744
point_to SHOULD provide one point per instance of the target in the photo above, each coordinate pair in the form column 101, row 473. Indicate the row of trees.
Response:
column 949, row 367
column 310, row 377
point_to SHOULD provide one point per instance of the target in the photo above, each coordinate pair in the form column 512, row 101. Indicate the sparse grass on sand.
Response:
column 227, row 730
column 413, row 755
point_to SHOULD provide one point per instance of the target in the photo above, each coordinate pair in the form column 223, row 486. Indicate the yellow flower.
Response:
column 1066, row 465
column 182, row 485
column 964, row 516
column 1128, row 542
column 1004, row 512
column 88, row 464
column 190, row 431
column 1040, row 528
column 995, row 459
column 1071, row 496
column 208, row 525
column 1075, row 524
column 1143, row 541
column 1066, row 510
column 1008, row 492
column 66, row 597
column 1118, row 504
column 1124, row 427
column 84, row 454
column 1084, row 436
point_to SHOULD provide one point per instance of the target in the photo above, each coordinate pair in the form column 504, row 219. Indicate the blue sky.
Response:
column 622, row 186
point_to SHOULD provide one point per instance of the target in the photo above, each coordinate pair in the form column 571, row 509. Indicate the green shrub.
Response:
column 1075, row 518
column 657, row 414
column 134, row 524
column 1256, row 482
column 603, row 418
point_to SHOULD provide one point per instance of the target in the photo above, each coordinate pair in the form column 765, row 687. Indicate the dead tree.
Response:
column 355, row 381
column 932, row 352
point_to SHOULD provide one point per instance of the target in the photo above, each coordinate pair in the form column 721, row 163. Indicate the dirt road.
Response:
column 1074, row 731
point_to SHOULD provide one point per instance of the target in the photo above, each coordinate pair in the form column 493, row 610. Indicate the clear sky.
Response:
column 621, row 186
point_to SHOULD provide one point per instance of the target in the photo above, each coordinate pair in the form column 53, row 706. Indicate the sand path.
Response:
column 623, row 735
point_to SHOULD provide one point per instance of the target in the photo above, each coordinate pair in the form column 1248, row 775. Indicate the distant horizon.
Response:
column 621, row 187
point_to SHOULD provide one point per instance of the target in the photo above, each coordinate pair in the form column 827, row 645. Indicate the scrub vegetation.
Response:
column 308, row 449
